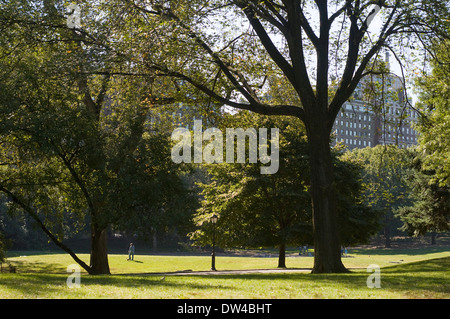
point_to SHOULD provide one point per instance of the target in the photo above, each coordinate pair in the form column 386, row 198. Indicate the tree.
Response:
column 429, row 179
column 434, row 124
column 298, row 41
column 430, row 207
column 72, row 130
column 385, row 189
column 270, row 210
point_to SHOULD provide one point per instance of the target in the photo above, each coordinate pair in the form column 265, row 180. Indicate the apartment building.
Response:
column 380, row 118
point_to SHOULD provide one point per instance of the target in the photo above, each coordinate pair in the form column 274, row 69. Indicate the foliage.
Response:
column 161, row 51
column 358, row 220
column 275, row 210
column 429, row 175
column 76, row 143
column 384, row 168
column 430, row 209
column 160, row 197
column 236, row 52
column 385, row 189
column 434, row 124
column 2, row 248
column 260, row 209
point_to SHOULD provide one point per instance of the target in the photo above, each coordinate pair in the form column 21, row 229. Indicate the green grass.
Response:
column 57, row 263
column 421, row 273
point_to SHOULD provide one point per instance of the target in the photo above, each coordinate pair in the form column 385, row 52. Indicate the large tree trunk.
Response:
column 282, row 256
column 327, row 256
column 99, row 252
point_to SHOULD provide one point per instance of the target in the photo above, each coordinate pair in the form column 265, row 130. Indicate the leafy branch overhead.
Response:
column 289, row 36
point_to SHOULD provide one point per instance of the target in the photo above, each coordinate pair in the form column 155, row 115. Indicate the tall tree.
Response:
column 434, row 106
column 429, row 211
column 228, row 49
column 430, row 174
column 385, row 188
column 72, row 124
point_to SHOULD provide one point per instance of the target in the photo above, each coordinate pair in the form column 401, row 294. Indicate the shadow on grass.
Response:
column 424, row 278
column 33, row 285
column 37, row 267
column 420, row 279
column 431, row 265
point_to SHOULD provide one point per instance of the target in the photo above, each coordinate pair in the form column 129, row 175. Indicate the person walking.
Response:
column 131, row 252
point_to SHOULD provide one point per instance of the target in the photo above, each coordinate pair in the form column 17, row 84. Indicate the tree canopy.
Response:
column 274, row 210
column 385, row 189
column 429, row 207
column 434, row 124
column 193, row 51
column 76, row 142
column 229, row 50
column 429, row 178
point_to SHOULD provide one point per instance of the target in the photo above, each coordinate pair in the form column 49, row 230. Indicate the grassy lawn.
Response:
column 413, row 273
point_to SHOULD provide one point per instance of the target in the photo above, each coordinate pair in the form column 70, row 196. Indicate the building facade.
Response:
column 370, row 119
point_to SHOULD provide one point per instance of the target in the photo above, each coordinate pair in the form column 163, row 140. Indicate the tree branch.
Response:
column 266, row 41
column 288, row 110
column 301, row 82
column 36, row 218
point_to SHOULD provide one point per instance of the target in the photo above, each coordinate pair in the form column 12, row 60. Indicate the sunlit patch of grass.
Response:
column 413, row 273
